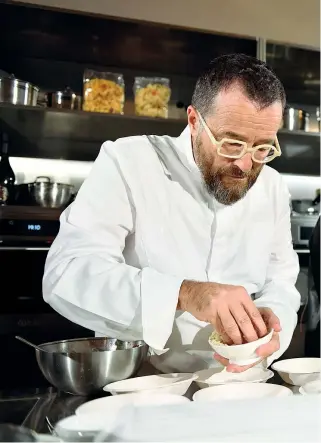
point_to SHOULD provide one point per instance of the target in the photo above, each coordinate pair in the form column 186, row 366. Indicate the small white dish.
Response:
column 112, row 404
column 311, row 388
column 241, row 354
column 238, row 391
column 215, row 376
column 298, row 371
column 175, row 383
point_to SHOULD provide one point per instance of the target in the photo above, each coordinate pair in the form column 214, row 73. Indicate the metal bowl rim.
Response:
column 67, row 185
column 140, row 343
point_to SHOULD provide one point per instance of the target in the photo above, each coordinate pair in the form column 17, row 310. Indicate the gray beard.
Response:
column 213, row 179
column 225, row 196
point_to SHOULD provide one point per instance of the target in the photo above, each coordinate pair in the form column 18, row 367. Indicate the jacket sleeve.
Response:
column 86, row 278
column 279, row 292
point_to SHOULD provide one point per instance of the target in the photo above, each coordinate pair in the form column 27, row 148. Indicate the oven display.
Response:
column 32, row 227
column 29, row 227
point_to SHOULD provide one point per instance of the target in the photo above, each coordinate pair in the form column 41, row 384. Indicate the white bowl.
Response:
column 311, row 388
column 112, row 404
column 82, row 428
column 215, row 376
column 165, row 383
column 241, row 354
column 237, row 391
column 298, row 371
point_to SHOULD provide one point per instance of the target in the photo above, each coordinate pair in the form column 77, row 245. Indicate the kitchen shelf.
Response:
column 73, row 135
column 29, row 213
column 77, row 135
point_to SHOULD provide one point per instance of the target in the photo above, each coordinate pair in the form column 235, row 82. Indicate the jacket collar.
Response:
column 185, row 151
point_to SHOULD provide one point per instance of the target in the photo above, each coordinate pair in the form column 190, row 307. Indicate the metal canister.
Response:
column 18, row 92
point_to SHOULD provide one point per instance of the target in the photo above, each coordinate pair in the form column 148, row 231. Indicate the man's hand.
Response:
column 264, row 351
column 228, row 308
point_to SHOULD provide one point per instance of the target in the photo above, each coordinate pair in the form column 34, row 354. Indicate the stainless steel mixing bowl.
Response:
column 48, row 194
column 89, row 364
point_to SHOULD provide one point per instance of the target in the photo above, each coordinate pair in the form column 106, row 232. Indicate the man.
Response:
column 171, row 237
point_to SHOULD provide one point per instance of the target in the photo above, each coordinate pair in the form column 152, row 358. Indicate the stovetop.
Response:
column 34, row 408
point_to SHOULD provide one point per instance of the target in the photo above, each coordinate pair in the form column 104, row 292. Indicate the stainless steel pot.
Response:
column 50, row 195
column 18, row 92
column 296, row 119
column 90, row 363
column 66, row 99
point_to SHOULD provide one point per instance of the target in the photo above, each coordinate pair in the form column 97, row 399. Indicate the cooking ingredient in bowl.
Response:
column 216, row 339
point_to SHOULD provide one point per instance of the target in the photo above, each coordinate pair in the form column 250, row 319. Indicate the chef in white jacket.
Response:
column 169, row 238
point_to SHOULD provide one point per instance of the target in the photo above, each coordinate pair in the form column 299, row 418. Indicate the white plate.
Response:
column 112, row 404
column 311, row 388
column 165, row 383
column 298, row 371
column 215, row 376
column 237, row 391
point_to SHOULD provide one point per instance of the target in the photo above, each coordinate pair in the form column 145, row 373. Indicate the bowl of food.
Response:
column 215, row 376
column 241, row 391
column 84, row 366
column 176, row 383
column 244, row 354
column 298, row 371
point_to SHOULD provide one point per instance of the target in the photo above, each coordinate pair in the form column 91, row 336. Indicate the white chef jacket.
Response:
column 143, row 222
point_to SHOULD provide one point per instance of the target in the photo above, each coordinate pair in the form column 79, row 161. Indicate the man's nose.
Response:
column 245, row 163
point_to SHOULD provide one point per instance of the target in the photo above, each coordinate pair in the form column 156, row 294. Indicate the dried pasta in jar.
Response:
column 152, row 96
column 104, row 92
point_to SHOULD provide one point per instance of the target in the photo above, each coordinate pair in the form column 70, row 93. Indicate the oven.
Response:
column 302, row 226
column 26, row 234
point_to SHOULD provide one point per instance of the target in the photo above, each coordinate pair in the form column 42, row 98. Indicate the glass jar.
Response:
column 152, row 96
column 103, row 92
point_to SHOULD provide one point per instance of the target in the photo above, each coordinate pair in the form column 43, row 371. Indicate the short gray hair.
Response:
column 260, row 83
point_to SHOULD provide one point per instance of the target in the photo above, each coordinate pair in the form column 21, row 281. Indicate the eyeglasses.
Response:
column 231, row 148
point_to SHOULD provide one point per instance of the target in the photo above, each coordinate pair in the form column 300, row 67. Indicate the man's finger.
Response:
column 270, row 319
column 232, row 367
column 269, row 348
column 256, row 318
column 244, row 323
column 238, row 369
column 230, row 326
column 220, row 329
column 220, row 359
